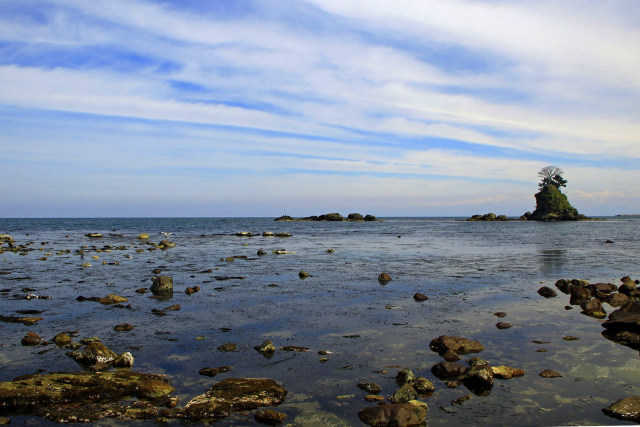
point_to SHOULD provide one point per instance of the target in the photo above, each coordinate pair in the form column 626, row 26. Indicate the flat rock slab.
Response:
column 235, row 395
column 458, row 344
column 625, row 409
column 50, row 395
column 400, row 414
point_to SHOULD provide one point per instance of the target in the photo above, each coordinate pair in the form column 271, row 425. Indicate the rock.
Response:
column 269, row 417
column 228, row 347
column 457, row 344
column 405, row 376
column 504, row 325
column 5, row 238
column 244, row 234
column 450, row 356
column 261, row 252
column 371, row 388
column 125, row 360
column 123, row 327
column 627, row 409
column 268, row 234
column 285, row 218
column 617, row 299
column 143, row 236
column 579, row 294
column 56, row 396
column 266, row 347
column 369, row 218
column 423, row 386
column 61, row 339
column 627, row 287
column 94, row 235
column 235, row 395
column 95, row 352
column 553, row 205
column 404, row 394
column 447, row 371
column 420, row 297
column 31, row 339
column 549, row 373
column 605, row 288
column 384, row 278
column 303, row 274
column 461, row 400
column 174, row 307
column 355, row 217
column 547, row 292
column 373, row 398
column 208, row 372
column 112, row 299
column 593, row 308
column 400, row 414
column 506, row 372
column 295, row 348
column 283, row 234
column 191, row 290
column 162, row 286
column 25, row 320
column 477, row 361
column 500, row 314
column 563, row 285
column 166, row 244
column 626, row 317
column 479, row 379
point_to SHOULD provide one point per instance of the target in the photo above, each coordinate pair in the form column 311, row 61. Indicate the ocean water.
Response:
column 469, row 270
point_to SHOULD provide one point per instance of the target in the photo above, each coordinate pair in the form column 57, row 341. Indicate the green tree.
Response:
column 551, row 175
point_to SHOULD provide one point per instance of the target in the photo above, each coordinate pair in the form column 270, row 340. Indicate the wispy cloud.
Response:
column 361, row 100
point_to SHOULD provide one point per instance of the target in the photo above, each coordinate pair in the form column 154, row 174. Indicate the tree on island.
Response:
column 551, row 203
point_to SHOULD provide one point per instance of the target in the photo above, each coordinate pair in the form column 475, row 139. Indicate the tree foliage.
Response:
column 551, row 175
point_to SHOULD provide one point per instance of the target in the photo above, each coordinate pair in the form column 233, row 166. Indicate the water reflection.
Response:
column 552, row 261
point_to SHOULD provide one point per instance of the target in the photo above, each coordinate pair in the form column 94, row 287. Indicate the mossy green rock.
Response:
column 553, row 205
column 70, row 396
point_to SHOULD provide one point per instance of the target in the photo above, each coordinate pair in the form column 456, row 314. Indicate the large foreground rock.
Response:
column 400, row 415
column 235, row 395
column 83, row 396
column 456, row 344
column 625, row 409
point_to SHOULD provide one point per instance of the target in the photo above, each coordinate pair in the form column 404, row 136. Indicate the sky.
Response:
column 265, row 108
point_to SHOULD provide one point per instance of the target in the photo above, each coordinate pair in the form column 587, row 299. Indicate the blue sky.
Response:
column 264, row 108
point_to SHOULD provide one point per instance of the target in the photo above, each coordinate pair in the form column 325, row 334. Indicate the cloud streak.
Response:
column 422, row 94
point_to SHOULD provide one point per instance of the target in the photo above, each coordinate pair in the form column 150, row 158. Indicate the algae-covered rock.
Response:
column 233, row 395
column 399, row 414
column 70, row 396
column 506, row 372
column 627, row 409
column 458, row 344
column 162, row 286
column 266, row 347
column 95, row 352
column 479, row 379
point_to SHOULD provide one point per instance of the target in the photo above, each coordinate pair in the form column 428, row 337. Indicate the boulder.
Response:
column 399, row 414
column 605, row 288
column 458, row 344
column 626, row 317
column 369, row 218
column 423, row 385
column 94, row 353
column 143, row 236
column 371, row 388
column 420, row 297
column 627, row 409
column 448, row 371
column 593, row 308
column 125, row 360
column 405, row 376
column 404, row 394
column 506, row 372
column 355, row 217
column 617, row 299
column 31, row 339
column 563, row 285
column 266, row 347
column 479, row 379
column 384, row 278
column 547, row 292
column 162, row 286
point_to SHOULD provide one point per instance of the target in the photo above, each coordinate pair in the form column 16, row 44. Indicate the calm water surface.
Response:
column 468, row 269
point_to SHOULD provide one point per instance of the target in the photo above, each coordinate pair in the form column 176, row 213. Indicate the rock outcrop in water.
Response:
column 551, row 203
column 330, row 217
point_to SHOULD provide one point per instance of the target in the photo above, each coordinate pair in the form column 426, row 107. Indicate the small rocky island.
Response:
column 551, row 203
column 330, row 217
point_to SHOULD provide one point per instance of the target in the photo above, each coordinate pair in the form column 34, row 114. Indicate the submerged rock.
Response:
column 627, row 409
column 447, row 371
column 549, row 373
column 73, row 396
column 269, row 417
column 399, row 414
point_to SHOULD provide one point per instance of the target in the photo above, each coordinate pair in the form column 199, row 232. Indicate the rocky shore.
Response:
column 106, row 382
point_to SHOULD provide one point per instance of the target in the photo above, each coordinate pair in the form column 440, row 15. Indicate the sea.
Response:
column 369, row 330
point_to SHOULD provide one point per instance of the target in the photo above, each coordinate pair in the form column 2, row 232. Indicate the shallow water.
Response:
column 468, row 269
